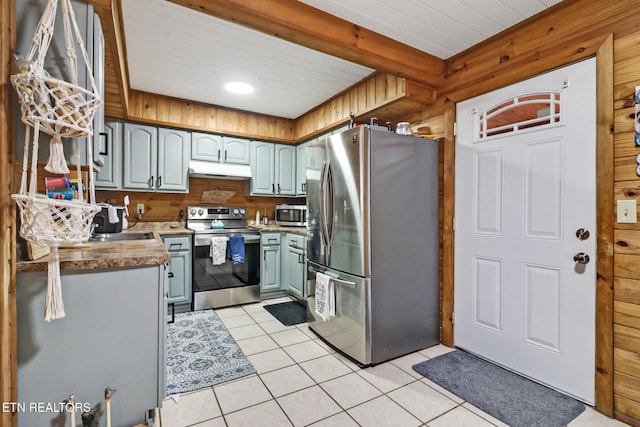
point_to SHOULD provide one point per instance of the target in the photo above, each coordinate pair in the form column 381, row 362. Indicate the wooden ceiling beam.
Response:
column 304, row 25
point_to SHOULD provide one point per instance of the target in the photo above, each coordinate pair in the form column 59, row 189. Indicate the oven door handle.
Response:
column 206, row 240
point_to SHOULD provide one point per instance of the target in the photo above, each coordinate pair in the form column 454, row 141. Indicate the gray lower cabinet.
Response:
column 295, row 266
column 113, row 335
column 180, row 285
column 283, row 265
column 270, row 265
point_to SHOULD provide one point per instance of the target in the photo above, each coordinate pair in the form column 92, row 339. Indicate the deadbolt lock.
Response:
column 582, row 234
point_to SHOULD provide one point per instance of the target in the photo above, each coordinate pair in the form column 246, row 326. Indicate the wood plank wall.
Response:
column 161, row 110
column 384, row 95
column 166, row 206
column 8, row 333
column 573, row 31
column 626, row 308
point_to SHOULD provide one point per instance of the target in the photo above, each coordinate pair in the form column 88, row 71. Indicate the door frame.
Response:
column 604, row 222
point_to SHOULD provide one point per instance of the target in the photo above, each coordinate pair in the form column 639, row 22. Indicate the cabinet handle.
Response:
column 171, row 246
column 304, row 186
column 218, row 155
column 225, row 156
column 170, row 275
column 264, row 255
column 278, row 188
column 273, row 188
column 300, row 260
column 159, row 181
column 106, row 144
column 150, row 182
column 270, row 240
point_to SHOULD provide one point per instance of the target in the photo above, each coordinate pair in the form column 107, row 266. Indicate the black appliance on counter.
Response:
column 227, row 284
column 102, row 224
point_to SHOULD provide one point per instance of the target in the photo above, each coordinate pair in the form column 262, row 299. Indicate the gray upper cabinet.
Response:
column 285, row 170
column 155, row 159
column 205, row 146
column 263, row 168
column 236, row 150
column 301, row 169
column 109, row 151
column 220, row 149
column 273, row 169
column 173, row 160
column 28, row 14
column 99, row 130
column 140, row 157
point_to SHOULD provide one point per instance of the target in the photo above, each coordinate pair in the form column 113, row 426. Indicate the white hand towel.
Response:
column 113, row 215
column 325, row 297
column 218, row 251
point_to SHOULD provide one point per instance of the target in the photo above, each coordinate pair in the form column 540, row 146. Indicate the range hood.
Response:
column 200, row 169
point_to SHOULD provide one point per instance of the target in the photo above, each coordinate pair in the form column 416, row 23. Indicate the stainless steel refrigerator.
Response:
column 372, row 226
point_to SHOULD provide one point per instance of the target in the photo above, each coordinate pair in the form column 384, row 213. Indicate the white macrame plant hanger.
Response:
column 60, row 109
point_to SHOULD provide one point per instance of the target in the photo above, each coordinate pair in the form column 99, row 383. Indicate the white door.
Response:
column 525, row 183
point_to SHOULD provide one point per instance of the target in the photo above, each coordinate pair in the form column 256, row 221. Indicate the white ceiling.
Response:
column 179, row 52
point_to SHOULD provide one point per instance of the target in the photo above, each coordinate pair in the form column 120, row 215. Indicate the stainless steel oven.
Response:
column 291, row 215
column 225, row 284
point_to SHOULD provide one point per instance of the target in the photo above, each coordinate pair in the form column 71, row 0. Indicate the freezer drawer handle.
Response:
column 336, row 280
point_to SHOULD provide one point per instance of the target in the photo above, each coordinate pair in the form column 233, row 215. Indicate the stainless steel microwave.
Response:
column 291, row 215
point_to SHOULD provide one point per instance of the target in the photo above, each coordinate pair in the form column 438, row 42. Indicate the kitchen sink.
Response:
column 116, row 237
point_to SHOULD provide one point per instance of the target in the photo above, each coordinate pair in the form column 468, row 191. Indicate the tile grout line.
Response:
column 330, row 352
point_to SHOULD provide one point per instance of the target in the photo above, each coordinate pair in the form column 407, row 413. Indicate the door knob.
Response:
column 581, row 258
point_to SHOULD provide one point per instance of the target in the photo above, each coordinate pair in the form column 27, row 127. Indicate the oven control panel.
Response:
column 217, row 212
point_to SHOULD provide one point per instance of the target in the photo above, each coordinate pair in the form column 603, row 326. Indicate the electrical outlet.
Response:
column 140, row 208
column 626, row 211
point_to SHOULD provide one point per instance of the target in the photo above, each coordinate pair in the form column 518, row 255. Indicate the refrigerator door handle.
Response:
column 332, row 199
column 323, row 203
column 335, row 279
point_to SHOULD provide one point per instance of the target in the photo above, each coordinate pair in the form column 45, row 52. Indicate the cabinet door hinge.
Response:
column 453, row 318
column 455, row 128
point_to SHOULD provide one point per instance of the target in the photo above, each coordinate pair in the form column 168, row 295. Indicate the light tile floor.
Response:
column 301, row 381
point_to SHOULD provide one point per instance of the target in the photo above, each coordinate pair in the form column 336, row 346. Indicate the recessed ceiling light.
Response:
column 239, row 87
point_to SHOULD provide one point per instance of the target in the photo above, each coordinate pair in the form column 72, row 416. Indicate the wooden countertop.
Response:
column 120, row 254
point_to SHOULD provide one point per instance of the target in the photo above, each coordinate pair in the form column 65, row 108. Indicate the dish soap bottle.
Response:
column 265, row 219
column 257, row 217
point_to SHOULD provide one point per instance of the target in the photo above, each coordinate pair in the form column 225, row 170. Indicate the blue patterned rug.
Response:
column 201, row 353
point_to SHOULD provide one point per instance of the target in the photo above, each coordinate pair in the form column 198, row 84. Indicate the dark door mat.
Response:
column 288, row 313
column 500, row 393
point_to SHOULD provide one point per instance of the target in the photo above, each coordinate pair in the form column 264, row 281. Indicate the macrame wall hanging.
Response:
column 63, row 110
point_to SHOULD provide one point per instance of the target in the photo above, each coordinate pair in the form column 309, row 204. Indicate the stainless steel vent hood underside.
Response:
column 201, row 169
